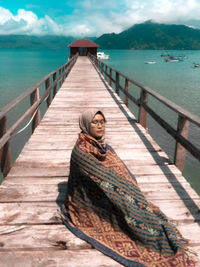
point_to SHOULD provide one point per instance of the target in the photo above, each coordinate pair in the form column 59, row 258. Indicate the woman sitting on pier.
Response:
column 105, row 206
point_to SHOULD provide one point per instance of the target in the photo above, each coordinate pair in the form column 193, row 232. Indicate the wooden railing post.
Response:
column 110, row 82
column 5, row 152
column 63, row 78
column 117, row 83
column 127, row 89
column 55, row 87
column 47, row 84
column 180, row 151
column 102, row 67
column 34, row 97
column 60, row 83
column 69, row 67
column 106, row 74
column 142, row 116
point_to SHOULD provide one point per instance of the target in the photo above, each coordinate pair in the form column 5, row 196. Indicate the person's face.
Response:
column 97, row 126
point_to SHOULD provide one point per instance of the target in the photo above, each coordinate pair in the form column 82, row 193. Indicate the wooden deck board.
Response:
column 46, row 212
column 42, row 192
column 31, row 233
column 54, row 258
column 52, row 236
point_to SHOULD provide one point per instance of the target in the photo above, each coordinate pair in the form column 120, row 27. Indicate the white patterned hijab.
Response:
column 86, row 118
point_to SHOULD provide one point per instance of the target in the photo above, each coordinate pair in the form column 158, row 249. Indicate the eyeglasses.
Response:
column 96, row 123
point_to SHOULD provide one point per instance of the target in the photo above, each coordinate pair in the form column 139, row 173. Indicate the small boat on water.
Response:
column 196, row 65
column 150, row 62
column 165, row 54
column 179, row 58
column 172, row 59
column 102, row 55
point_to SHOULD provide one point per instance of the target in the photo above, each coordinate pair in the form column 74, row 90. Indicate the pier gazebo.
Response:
column 83, row 46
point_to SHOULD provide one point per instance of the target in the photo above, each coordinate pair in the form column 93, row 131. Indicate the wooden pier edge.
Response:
column 31, row 232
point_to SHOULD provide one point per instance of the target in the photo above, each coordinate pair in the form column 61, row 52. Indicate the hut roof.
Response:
column 83, row 43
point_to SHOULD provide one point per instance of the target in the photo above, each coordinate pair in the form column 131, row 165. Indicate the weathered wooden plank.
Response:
column 46, row 160
column 41, row 192
column 69, row 140
column 48, row 169
column 34, row 170
column 110, row 137
column 153, row 179
column 56, row 237
column 151, row 170
column 68, row 145
column 39, row 237
column 48, row 212
column 62, row 102
column 26, row 213
column 63, row 156
column 61, row 258
column 86, row 104
column 14, row 180
column 125, row 154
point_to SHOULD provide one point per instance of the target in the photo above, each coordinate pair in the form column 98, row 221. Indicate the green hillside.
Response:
column 35, row 42
column 151, row 35
column 147, row 35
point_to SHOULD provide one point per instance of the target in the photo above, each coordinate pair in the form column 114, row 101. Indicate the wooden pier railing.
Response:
column 52, row 82
column 112, row 76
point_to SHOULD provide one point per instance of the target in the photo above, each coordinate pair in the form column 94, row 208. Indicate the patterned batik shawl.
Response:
column 105, row 207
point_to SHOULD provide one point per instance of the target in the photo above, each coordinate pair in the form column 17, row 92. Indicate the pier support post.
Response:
column 5, row 152
column 117, row 83
column 47, row 84
column 102, row 67
column 60, row 83
column 180, row 151
column 127, row 89
column 110, row 81
column 142, row 116
column 34, row 97
column 106, row 74
column 63, row 73
column 55, row 87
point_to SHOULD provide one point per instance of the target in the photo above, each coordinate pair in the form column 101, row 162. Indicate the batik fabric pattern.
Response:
column 105, row 207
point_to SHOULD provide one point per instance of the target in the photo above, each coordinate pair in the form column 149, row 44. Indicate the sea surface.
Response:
column 177, row 81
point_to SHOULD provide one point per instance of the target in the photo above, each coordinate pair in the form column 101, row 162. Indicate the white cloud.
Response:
column 95, row 24
column 25, row 22
column 5, row 15
column 91, row 17
column 168, row 11
column 51, row 27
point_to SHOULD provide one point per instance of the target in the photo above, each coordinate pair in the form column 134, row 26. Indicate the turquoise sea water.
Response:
column 178, row 81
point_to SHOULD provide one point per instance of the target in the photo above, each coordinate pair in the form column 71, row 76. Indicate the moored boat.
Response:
column 102, row 55
column 172, row 59
column 196, row 65
column 165, row 54
column 150, row 62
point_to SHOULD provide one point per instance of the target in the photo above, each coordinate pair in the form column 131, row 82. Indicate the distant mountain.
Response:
column 147, row 35
column 35, row 42
column 151, row 35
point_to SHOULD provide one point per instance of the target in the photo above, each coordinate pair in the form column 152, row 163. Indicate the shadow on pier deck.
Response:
column 31, row 233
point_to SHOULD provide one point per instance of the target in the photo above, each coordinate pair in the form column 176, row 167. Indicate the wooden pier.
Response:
column 31, row 232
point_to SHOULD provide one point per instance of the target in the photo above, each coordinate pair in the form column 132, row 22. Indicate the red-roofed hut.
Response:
column 83, row 47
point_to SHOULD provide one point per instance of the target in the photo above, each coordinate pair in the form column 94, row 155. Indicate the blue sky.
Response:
column 91, row 17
